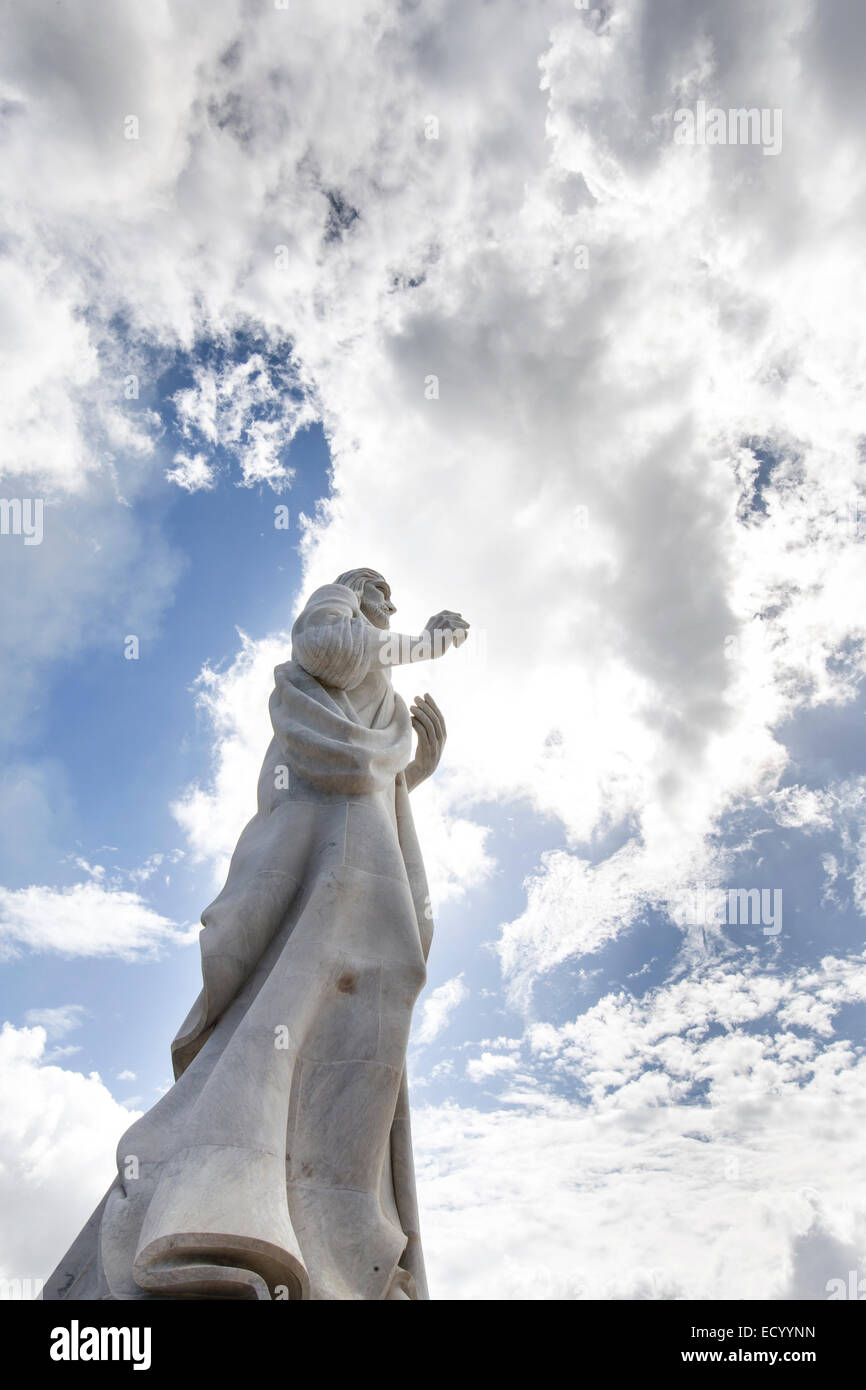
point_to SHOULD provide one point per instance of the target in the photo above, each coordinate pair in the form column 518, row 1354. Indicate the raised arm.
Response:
column 442, row 631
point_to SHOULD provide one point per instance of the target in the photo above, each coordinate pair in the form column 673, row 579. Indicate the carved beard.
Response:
column 377, row 611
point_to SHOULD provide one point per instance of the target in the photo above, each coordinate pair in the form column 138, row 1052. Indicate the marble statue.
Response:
column 279, row 1165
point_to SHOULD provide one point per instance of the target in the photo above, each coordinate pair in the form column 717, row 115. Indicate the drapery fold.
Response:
column 279, row 1165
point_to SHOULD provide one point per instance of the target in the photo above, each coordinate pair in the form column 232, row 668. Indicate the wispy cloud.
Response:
column 438, row 1009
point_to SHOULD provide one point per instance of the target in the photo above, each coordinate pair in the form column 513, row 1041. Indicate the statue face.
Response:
column 375, row 602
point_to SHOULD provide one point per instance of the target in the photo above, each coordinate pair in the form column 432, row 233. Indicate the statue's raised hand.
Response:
column 448, row 621
column 429, row 724
column 441, row 632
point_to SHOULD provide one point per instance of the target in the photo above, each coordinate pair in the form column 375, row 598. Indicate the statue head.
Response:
column 374, row 595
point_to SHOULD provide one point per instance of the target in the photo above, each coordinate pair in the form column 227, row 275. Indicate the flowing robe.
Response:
column 279, row 1165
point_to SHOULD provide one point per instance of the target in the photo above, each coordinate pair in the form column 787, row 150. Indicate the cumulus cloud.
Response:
column 692, row 1130
column 489, row 1064
column 58, row 1130
column 569, row 1205
column 192, row 473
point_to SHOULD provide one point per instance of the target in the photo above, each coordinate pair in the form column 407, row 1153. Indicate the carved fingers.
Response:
column 429, row 725
column 455, row 622
column 430, row 708
column 451, row 622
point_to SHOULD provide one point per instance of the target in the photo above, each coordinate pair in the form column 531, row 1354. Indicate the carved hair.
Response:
column 356, row 579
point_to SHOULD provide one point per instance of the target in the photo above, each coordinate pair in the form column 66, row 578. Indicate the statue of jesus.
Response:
column 279, row 1165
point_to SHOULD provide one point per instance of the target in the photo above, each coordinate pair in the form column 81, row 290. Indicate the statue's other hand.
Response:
column 449, row 621
column 429, row 724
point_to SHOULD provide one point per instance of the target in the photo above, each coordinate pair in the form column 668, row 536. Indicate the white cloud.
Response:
column 49, row 357
column 570, row 1205
column 438, row 1008
column 58, row 1130
column 192, row 473
column 85, row 920
column 253, row 411
column 694, row 1131
column 839, row 806
column 150, row 866
column 456, row 856
column 489, row 1064
column 58, row 1021
column 94, row 871
column 610, row 1045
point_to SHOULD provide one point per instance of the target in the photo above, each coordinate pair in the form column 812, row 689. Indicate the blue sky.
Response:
column 482, row 324
column 128, row 740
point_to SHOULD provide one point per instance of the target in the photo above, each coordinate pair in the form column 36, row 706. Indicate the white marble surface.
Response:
column 280, row 1165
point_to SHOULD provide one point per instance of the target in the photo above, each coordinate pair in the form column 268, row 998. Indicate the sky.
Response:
column 442, row 289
